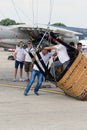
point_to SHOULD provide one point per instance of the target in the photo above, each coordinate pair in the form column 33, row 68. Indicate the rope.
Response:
column 38, row 46
column 37, row 13
column 50, row 10
column 16, row 10
column 33, row 11
column 24, row 14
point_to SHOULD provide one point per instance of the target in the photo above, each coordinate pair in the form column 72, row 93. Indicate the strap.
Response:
column 35, row 61
column 47, row 71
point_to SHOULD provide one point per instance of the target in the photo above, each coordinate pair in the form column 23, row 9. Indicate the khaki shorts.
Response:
column 28, row 66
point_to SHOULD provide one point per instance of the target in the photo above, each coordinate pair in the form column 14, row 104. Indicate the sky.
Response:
column 69, row 12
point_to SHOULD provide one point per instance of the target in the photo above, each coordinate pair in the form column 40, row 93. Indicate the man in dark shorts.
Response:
column 19, row 60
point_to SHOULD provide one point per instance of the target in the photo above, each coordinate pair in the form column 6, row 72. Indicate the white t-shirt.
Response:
column 45, row 59
column 19, row 54
column 27, row 56
column 62, row 53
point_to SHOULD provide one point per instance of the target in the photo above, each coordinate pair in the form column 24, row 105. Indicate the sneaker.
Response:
column 25, row 93
column 21, row 80
column 26, row 80
column 14, row 80
column 36, row 93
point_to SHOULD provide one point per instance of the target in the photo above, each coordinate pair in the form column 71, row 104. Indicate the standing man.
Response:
column 28, row 61
column 36, row 72
column 79, row 47
column 19, row 60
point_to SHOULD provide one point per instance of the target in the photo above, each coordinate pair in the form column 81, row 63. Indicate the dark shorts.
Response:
column 28, row 66
column 17, row 63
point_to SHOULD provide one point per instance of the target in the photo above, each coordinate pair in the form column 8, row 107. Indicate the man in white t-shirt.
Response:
column 28, row 61
column 19, row 60
column 62, row 54
column 37, row 73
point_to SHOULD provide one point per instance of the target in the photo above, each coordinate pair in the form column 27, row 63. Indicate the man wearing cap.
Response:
column 28, row 61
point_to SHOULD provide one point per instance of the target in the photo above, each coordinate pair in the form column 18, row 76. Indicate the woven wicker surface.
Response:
column 74, row 82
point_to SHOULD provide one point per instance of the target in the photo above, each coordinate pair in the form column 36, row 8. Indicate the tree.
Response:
column 7, row 22
column 59, row 24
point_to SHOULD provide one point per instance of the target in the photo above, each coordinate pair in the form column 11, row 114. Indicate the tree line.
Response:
column 7, row 22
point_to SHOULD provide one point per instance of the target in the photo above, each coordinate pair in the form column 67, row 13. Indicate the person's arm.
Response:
column 50, row 48
column 24, row 56
column 15, row 55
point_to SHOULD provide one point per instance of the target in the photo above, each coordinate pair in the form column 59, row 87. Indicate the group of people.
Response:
column 22, row 57
column 78, row 47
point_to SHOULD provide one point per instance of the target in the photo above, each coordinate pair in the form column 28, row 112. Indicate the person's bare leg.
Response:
column 21, row 73
column 15, row 73
column 27, row 75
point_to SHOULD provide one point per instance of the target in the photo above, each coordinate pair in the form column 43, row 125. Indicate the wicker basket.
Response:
column 74, row 82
